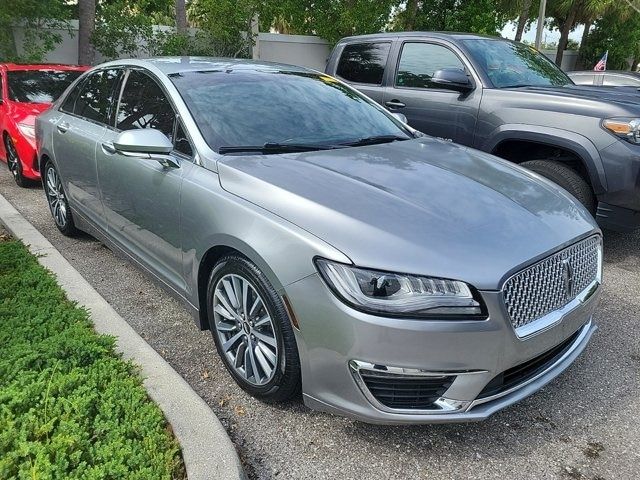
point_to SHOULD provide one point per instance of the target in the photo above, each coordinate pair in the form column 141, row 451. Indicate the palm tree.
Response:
column 523, row 18
column 86, row 25
column 569, row 13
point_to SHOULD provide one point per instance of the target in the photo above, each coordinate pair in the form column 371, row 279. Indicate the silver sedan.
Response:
column 331, row 249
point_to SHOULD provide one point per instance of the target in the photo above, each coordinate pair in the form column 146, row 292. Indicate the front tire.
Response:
column 57, row 200
column 252, row 331
column 14, row 163
column 567, row 178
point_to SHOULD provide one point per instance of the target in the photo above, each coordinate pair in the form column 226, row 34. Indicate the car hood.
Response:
column 624, row 96
column 418, row 206
column 26, row 112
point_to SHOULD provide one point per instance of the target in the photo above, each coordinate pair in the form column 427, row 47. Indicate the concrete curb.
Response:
column 206, row 448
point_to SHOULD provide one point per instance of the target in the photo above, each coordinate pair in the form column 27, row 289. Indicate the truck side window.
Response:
column 363, row 62
column 419, row 61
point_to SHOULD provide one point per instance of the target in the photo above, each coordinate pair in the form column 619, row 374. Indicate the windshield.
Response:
column 249, row 107
column 39, row 86
column 510, row 64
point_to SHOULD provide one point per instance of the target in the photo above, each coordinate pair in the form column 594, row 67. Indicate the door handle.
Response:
column 63, row 127
column 108, row 147
column 395, row 104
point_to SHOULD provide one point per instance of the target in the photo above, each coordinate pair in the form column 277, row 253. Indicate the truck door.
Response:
column 430, row 108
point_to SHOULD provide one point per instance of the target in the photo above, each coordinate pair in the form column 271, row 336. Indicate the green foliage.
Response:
column 200, row 43
column 619, row 34
column 69, row 406
column 476, row 16
column 121, row 29
column 226, row 21
column 33, row 16
column 330, row 19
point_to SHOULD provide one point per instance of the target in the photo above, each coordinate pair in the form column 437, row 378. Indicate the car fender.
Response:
column 282, row 250
column 574, row 142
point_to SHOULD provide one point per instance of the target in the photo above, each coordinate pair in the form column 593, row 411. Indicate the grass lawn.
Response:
column 70, row 407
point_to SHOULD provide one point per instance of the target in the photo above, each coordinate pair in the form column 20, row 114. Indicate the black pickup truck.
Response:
column 507, row 99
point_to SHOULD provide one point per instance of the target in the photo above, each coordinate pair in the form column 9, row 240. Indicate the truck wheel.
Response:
column 567, row 178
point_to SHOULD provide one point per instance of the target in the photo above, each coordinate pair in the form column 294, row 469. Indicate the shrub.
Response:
column 70, row 407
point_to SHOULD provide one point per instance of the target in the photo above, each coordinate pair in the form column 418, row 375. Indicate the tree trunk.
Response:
column 567, row 26
column 87, row 23
column 585, row 34
column 523, row 19
column 181, row 17
column 580, row 65
column 410, row 14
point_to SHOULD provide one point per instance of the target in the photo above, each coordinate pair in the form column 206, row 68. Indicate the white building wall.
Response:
column 302, row 50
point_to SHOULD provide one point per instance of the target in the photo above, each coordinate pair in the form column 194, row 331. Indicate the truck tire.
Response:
column 567, row 178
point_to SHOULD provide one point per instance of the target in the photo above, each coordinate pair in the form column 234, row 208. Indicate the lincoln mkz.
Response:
column 330, row 248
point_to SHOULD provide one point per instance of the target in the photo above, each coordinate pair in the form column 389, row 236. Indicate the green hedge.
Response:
column 69, row 406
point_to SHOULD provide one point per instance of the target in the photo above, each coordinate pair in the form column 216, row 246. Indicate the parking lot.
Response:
column 585, row 424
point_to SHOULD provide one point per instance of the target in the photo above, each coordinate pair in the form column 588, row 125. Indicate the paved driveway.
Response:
column 585, row 424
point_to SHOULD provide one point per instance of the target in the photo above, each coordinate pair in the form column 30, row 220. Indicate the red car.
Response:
column 27, row 91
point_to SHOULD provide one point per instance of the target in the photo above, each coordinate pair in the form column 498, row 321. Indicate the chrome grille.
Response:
column 551, row 283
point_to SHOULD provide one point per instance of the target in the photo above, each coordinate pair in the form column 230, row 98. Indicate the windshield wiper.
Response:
column 521, row 85
column 273, row 147
column 375, row 140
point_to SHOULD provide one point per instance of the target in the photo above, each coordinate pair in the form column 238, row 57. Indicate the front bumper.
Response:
column 334, row 340
column 619, row 205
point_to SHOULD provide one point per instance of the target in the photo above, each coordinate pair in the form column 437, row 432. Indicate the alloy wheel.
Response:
column 13, row 161
column 245, row 329
column 56, row 198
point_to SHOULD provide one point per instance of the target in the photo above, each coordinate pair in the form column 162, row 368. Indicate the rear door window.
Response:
column 364, row 62
column 419, row 61
column 96, row 97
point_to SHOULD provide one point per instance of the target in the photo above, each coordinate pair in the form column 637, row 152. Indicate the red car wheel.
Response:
column 13, row 162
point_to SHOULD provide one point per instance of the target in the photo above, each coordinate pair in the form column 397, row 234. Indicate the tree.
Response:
column 329, row 19
column 39, row 21
column 86, row 26
column 181, row 17
column 523, row 18
column 567, row 14
column 477, row 16
column 618, row 32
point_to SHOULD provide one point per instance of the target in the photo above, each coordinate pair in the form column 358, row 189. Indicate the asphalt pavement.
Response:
column 584, row 425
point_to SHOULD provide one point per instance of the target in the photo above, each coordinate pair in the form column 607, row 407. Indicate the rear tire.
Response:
column 252, row 330
column 567, row 178
column 57, row 200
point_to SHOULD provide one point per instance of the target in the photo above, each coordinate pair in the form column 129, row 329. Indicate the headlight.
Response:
column 27, row 130
column 626, row 128
column 383, row 293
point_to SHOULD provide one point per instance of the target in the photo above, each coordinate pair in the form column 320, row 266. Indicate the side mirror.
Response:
column 146, row 143
column 399, row 116
column 452, row 79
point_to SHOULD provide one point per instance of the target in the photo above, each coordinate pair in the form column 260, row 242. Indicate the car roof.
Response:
column 601, row 72
column 419, row 34
column 174, row 65
column 40, row 66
